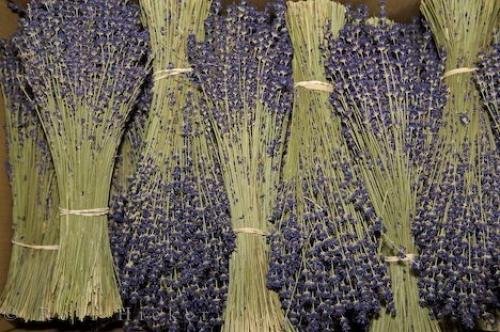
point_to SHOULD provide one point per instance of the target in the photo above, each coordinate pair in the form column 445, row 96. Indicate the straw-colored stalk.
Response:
column 308, row 23
column 251, row 185
column 169, row 22
column 463, row 29
column 34, row 212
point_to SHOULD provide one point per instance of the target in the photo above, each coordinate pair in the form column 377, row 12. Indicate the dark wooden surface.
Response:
column 400, row 10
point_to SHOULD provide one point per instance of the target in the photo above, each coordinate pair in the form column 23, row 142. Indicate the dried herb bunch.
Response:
column 85, row 73
column 389, row 96
column 457, row 226
column 178, row 242
column 244, row 70
column 35, row 200
column 324, row 260
column 176, row 236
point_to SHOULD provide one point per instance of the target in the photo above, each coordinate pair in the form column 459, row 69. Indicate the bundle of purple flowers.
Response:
column 389, row 96
column 85, row 73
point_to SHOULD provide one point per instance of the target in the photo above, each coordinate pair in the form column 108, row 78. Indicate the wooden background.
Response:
column 400, row 10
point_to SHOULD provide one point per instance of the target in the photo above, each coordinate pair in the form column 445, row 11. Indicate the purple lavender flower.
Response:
column 389, row 96
column 456, row 229
column 85, row 72
column 324, row 260
column 176, row 240
column 90, row 41
column 386, row 76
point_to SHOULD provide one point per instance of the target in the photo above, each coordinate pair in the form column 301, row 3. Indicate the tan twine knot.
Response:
column 35, row 246
column 97, row 212
column 396, row 259
column 315, row 86
column 457, row 71
column 162, row 74
column 250, row 230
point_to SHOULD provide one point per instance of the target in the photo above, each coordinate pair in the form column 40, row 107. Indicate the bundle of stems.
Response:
column 389, row 96
column 179, row 239
column 85, row 73
column 244, row 70
column 174, row 217
column 458, row 223
column 169, row 22
column 324, row 261
column 308, row 23
column 35, row 200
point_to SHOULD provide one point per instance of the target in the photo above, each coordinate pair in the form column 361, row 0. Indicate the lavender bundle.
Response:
column 389, row 97
column 176, row 237
column 457, row 227
column 85, row 73
column 324, row 261
column 32, row 179
column 244, row 71
column 176, row 267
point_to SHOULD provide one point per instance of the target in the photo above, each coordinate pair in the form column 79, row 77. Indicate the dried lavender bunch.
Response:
column 389, row 96
column 243, row 68
column 176, row 237
column 178, row 241
column 488, row 80
column 85, row 73
column 457, row 232
column 459, row 205
column 35, row 200
column 324, row 260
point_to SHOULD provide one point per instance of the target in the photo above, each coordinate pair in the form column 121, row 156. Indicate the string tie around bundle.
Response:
column 250, row 230
column 97, row 212
column 457, row 71
column 397, row 259
column 162, row 74
column 35, row 246
column 315, row 86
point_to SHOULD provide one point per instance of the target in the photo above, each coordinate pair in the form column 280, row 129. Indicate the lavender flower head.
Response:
column 457, row 231
column 92, row 56
column 387, row 75
column 176, row 240
column 244, row 61
column 324, row 260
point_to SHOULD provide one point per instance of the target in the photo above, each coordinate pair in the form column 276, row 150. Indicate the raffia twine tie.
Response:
column 162, row 74
column 315, row 86
column 35, row 246
column 85, row 212
column 457, row 71
column 250, row 230
column 396, row 259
